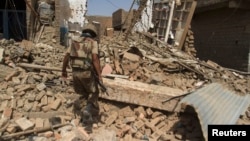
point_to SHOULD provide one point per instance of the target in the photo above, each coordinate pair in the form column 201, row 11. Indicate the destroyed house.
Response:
column 25, row 19
column 222, row 32
column 171, row 20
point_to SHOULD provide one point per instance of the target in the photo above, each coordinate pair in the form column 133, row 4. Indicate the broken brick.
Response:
column 112, row 117
column 7, row 113
column 40, row 95
column 55, row 104
column 24, row 123
column 39, row 123
column 138, row 124
column 156, row 135
column 41, row 86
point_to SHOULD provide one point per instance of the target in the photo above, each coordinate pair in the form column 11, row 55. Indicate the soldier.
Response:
column 83, row 57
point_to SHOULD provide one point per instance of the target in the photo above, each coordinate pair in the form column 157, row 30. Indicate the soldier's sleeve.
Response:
column 95, row 48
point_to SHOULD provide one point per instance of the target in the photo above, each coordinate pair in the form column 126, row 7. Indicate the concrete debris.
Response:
column 33, row 98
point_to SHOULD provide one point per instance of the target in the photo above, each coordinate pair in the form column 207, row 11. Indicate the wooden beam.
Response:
column 188, row 22
column 32, row 9
column 140, row 93
column 34, row 66
column 133, row 92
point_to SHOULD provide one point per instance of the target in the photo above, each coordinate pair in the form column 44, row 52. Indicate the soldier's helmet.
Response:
column 89, row 30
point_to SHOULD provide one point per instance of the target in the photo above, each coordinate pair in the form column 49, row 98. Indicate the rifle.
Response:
column 103, row 88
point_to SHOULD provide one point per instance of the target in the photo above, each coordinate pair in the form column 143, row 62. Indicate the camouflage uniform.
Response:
column 84, row 81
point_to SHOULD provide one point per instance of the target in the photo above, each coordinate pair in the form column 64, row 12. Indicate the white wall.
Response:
column 72, row 11
column 146, row 20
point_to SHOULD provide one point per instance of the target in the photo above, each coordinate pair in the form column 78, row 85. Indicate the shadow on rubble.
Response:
column 188, row 126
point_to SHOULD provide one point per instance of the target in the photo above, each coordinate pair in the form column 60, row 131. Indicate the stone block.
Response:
column 44, row 100
column 149, row 111
column 35, row 107
column 16, row 80
column 140, row 110
column 11, row 128
column 31, row 96
column 27, row 106
column 55, row 104
column 129, row 119
column 24, row 123
column 46, row 123
column 138, row 124
column 156, row 114
column 60, row 96
column 47, row 134
column 112, row 117
column 106, row 108
column 46, row 108
column 3, row 105
column 13, row 103
column 41, row 86
column 131, row 56
column 20, row 103
column 156, row 135
column 40, row 95
column 24, row 88
column 126, row 112
column 7, row 113
column 128, row 137
column 39, row 123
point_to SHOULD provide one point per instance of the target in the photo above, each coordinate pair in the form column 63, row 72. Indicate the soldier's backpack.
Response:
column 80, row 54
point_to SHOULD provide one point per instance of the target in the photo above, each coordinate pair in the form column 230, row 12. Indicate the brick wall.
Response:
column 122, row 19
column 106, row 22
column 223, row 36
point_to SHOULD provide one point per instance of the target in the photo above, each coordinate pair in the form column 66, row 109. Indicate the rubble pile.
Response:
column 36, row 105
column 166, row 65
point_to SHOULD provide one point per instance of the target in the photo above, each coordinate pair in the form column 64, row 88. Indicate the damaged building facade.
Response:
column 222, row 32
column 29, row 16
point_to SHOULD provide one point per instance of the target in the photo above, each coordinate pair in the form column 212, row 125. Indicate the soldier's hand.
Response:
column 64, row 74
column 100, row 78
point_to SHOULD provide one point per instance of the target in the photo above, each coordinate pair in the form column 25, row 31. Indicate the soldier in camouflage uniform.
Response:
column 83, row 57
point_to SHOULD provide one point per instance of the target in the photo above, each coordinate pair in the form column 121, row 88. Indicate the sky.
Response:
column 107, row 7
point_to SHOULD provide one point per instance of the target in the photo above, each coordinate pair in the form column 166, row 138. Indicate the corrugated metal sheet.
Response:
column 215, row 104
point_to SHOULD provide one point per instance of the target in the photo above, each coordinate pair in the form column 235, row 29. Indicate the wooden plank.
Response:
column 143, row 94
column 133, row 92
column 34, row 66
column 189, row 18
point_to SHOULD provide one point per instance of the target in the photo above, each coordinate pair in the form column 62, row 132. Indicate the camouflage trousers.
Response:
column 84, row 83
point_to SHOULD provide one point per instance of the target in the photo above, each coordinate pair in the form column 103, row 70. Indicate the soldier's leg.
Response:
column 78, row 84
column 92, row 103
